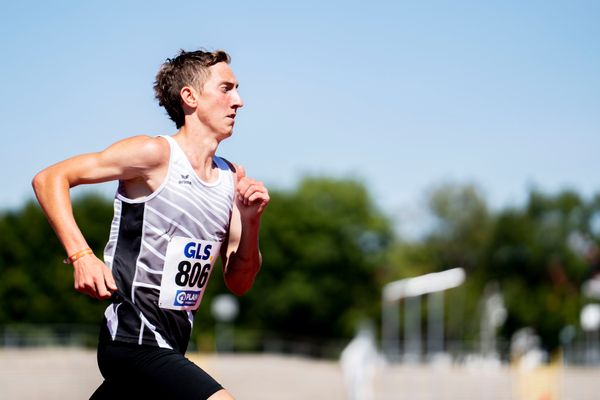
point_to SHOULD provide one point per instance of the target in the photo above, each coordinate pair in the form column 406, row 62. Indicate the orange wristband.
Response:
column 76, row 256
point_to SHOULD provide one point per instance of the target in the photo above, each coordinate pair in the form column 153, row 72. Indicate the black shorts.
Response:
column 132, row 371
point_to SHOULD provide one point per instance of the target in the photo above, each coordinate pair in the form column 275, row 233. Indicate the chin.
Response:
column 226, row 134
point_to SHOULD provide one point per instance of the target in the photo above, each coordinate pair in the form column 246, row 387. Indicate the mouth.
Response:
column 232, row 116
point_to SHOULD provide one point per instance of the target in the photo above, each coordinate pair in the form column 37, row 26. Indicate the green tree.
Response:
column 539, row 273
column 458, row 237
column 462, row 227
column 323, row 246
column 328, row 251
column 36, row 287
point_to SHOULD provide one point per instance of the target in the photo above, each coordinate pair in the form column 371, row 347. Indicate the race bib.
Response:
column 188, row 265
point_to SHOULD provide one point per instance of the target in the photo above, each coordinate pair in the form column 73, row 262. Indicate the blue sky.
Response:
column 402, row 95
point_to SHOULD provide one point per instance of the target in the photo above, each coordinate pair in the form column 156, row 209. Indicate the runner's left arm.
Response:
column 241, row 257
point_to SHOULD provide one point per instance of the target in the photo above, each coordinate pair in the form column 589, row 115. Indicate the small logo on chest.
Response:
column 185, row 180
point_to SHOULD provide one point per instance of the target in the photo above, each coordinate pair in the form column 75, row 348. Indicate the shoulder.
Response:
column 143, row 149
column 232, row 166
column 147, row 144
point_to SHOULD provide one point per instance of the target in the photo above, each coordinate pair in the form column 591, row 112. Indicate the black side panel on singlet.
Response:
column 128, row 246
column 123, row 270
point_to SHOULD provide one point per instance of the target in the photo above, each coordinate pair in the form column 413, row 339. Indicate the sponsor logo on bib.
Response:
column 186, row 298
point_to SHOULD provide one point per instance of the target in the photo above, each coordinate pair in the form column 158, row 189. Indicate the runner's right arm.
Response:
column 136, row 160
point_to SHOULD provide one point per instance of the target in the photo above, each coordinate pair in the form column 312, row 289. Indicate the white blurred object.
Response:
column 493, row 317
column 532, row 360
column 590, row 322
column 591, row 288
column 225, row 307
column 424, row 284
column 411, row 289
column 359, row 362
column 522, row 341
column 526, row 351
column 590, row 317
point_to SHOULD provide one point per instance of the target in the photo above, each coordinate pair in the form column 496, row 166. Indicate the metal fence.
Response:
column 579, row 352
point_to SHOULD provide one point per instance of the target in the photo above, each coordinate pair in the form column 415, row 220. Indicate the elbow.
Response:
column 48, row 180
column 237, row 288
column 239, row 284
column 240, row 276
column 39, row 181
column 237, row 292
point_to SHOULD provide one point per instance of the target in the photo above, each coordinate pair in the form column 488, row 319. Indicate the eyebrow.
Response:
column 230, row 84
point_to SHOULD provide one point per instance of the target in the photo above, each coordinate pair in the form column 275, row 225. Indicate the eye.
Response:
column 226, row 87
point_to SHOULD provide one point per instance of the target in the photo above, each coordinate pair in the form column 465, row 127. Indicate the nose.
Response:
column 237, row 101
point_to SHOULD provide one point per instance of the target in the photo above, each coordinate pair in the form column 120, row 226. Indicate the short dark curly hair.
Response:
column 189, row 68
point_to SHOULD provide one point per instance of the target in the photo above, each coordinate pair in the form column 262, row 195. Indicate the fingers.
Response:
column 245, row 185
column 102, row 292
column 109, row 280
column 240, row 172
column 250, row 189
column 254, row 193
column 261, row 198
column 92, row 288
column 258, row 196
column 251, row 194
column 93, row 278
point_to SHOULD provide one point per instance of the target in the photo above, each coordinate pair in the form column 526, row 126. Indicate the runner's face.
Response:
column 219, row 101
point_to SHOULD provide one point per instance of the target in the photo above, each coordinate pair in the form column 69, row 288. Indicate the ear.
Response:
column 189, row 96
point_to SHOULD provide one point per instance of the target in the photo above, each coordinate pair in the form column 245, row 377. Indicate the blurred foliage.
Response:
column 538, row 255
column 36, row 287
column 323, row 245
column 328, row 250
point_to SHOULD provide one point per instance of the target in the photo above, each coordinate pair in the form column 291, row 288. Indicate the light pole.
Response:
column 590, row 322
column 224, row 308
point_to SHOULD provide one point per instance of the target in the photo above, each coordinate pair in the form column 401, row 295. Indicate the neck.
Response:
column 200, row 147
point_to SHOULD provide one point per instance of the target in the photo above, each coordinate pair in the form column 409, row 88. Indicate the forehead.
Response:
column 220, row 73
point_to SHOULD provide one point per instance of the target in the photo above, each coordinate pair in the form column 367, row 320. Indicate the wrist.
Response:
column 77, row 255
column 252, row 222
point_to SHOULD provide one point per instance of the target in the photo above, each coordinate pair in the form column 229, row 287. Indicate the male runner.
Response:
column 178, row 206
